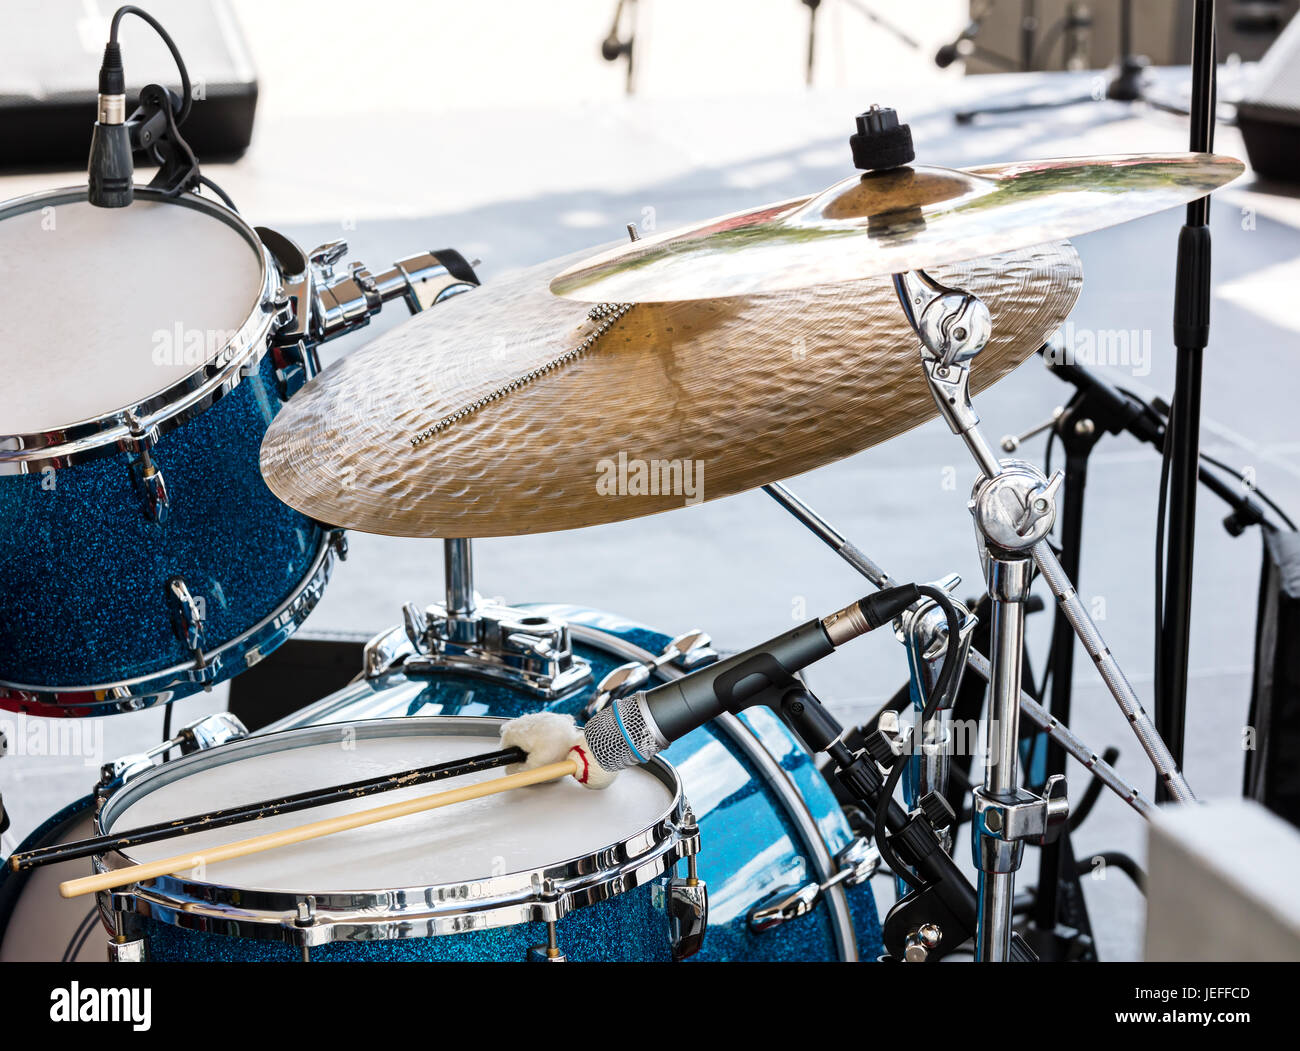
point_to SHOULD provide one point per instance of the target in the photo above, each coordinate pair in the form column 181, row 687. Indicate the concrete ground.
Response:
column 514, row 143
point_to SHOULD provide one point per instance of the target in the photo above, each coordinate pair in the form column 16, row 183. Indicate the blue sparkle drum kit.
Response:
column 177, row 476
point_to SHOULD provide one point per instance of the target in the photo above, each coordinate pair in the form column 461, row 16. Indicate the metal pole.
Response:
column 458, row 563
column 1191, row 334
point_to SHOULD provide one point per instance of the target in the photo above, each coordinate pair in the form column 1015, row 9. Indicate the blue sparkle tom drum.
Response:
column 141, row 555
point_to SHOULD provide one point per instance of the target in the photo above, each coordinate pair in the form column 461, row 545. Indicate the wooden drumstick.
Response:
column 314, row 830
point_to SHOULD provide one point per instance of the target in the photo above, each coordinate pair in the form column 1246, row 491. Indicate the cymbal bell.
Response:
column 508, row 411
column 885, row 222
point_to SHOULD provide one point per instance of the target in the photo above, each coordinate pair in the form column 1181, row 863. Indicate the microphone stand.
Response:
column 1191, row 335
column 1096, row 409
column 1126, row 86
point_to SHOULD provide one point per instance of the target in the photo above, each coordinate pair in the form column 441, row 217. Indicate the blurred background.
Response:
column 503, row 130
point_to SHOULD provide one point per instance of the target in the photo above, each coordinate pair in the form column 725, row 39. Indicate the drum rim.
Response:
column 174, row 405
column 544, row 894
column 182, row 680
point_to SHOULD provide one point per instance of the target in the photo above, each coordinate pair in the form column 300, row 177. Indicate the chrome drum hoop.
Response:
column 168, row 409
column 183, row 680
column 305, row 918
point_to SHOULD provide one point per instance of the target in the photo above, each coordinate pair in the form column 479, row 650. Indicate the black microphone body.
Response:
column 735, row 683
column 632, row 729
column 110, row 172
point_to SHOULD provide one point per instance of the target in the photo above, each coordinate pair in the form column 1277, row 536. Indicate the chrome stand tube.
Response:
column 998, row 855
column 458, row 563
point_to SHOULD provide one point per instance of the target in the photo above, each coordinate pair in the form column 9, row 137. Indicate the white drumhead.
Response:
column 105, row 307
column 520, row 830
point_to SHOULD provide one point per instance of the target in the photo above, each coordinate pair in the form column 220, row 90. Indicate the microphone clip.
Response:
column 153, row 129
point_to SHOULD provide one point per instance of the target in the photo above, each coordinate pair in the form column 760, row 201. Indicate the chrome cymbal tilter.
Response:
column 1014, row 507
column 976, row 662
column 487, row 640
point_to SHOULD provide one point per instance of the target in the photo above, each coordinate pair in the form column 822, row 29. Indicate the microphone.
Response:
column 631, row 730
column 111, row 169
column 949, row 53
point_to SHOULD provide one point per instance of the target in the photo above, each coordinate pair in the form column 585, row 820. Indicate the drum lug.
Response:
column 686, row 902
column 857, row 862
column 687, row 651
column 550, row 952
column 151, row 487
column 146, row 475
column 187, row 618
column 122, row 947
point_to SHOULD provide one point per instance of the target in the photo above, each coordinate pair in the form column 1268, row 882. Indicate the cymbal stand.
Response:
column 1014, row 507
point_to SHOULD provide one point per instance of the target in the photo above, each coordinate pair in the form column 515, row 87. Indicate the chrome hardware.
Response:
column 147, row 476
column 953, row 324
column 152, row 487
column 923, row 630
column 495, row 642
column 786, row 904
column 921, row 942
column 550, row 952
column 198, row 736
column 126, row 951
column 186, row 618
column 685, row 901
column 295, row 363
column 687, row 651
column 209, row 732
column 420, row 280
column 1011, row 442
column 123, row 945
column 340, row 302
column 1016, row 507
column 858, row 861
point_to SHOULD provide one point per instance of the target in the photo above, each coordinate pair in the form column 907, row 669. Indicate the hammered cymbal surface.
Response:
column 890, row 221
column 747, row 389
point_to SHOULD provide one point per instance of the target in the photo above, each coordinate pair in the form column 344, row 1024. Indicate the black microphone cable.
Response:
column 940, row 694
column 187, row 93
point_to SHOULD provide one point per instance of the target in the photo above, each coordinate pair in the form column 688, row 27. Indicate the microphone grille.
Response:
column 620, row 734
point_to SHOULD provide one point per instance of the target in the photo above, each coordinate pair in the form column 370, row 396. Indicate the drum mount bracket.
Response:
column 465, row 635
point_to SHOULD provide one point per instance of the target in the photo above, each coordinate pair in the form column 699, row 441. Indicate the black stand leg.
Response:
column 1061, row 928
column 1191, row 334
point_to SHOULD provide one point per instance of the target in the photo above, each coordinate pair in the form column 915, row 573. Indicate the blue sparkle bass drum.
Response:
column 731, row 848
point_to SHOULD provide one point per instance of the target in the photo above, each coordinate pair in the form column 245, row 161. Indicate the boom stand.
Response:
column 1014, row 507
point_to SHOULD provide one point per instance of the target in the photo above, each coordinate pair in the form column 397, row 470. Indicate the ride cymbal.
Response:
column 507, row 411
column 885, row 222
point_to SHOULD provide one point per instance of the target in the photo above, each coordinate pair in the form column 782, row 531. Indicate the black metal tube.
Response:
column 1051, row 861
column 266, row 808
column 1191, row 334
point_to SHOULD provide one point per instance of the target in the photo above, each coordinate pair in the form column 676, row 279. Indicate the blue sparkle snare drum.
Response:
column 783, row 876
